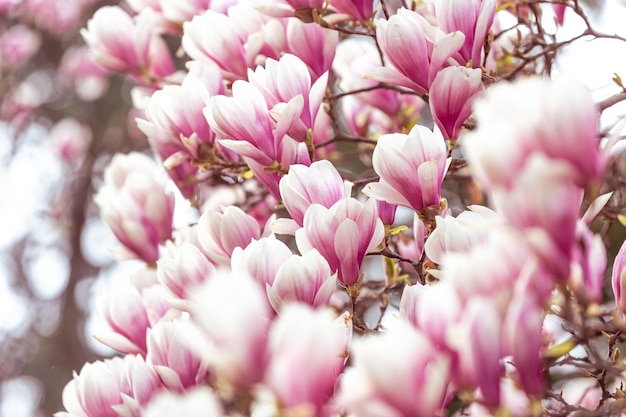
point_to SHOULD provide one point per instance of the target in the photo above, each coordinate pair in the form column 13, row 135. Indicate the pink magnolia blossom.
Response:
column 411, row 168
column 17, row 45
column 477, row 341
column 244, row 125
column 543, row 203
column 430, row 48
column 174, row 352
column 451, row 96
column 557, row 119
column 261, row 259
column 135, row 205
column 314, row 341
column 128, row 45
column 360, row 10
column 618, row 278
column 354, row 60
column 236, row 41
column 432, row 309
column 289, row 8
column 314, row 45
column 212, row 38
column 79, row 67
column 473, row 18
column 71, row 139
column 113, row 387
column 411, row 382
column 492, row 268
column 386, row 212
column 198, row 402
column 588, row 265
column 342, row 234
column 233, row 312
column 130, row 312
column 181, row 11
column 220, row 233
column 185, row 269
column 524, row 341
column 175, row 113
column 414, row 248
column 319, row 183
column 281, row 82
column 306, row 279
column 459, row 234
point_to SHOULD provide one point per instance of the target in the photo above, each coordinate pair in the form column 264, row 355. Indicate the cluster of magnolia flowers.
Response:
column 255, row 308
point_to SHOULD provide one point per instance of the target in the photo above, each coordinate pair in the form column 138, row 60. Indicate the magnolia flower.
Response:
column 618, row 278
column 187, row 268
column 306, row 279
column 411, row 168
column 304, row 185
column 135, row 205
column 342, row 234
column 220, row 233
column 473, row 18
column 71, row 140
column 234, row 315
column 524, row 341
column 174, row 114
column 198, row 402
column 212, row 37
column 113, row 387
column 476, row 340
column 360, row 10
column 315, row 342
column 398, row 373
column 451, row 97
column 261, row 259
column 121, row 43
column 286, row 87
column 459, row 234
column 174, row 349
column 313, row 44
column 430, row 48
column 543, row 203
column 17, row 45
column 432, row 309
column 130, row 312
column 555, row 118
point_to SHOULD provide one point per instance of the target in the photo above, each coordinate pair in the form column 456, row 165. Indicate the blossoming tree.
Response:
column 401, row 209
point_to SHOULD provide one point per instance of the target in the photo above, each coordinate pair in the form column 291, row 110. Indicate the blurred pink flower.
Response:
column 71, row 139
column 555, row 118
column 304, row 339
column 233, row 312
column 134, row 204
column 411, row 382
column 17, row 45
column 618, row 278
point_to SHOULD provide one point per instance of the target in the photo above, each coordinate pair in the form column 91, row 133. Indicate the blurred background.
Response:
column 62, row 117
